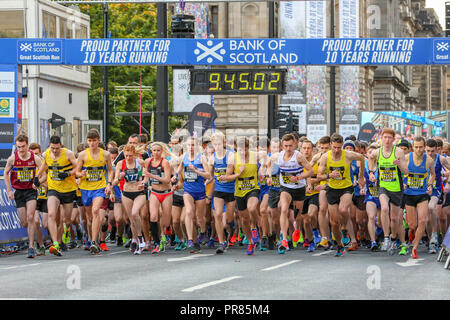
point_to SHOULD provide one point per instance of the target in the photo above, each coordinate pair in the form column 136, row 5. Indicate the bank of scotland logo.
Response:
column 25, row 47
column 442, row 46
column 209, row 51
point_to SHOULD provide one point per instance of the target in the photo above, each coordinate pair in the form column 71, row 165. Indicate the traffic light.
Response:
column 294, row 123
column 182, row 26
column 282, row 119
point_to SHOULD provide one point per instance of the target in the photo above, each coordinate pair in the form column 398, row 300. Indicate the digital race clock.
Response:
column 238, row 81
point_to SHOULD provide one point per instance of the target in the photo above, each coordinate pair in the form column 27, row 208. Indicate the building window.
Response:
column 11, row 24
column 81, row 32
column 250, row 21
column 65, row 28
column 48, row 25
column 70, row 98
column 214, row 21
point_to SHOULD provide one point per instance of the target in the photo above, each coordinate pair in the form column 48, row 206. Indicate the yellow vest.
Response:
column 95, row 172
column 248, row 180
column 62, row 164
column 315, row 168
column 344, row 180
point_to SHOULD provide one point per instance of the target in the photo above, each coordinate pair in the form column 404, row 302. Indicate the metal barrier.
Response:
column 444, row 253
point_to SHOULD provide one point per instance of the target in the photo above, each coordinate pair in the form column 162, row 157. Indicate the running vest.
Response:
column 264, row 187
column 248, row 180
column 389, row 177
column 192, row 181
column 372, row 190
column 315, row 169
column 55, row 167
column 288, row 169
column 344, row 180
column 220, row 169
column 438, row 169
column 131, row 175
column 416, row 181
column 23, row 172
column 157, row 171
column 354, row 174
column 95, row 172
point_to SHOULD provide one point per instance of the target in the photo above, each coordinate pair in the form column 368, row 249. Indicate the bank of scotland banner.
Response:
column 374, row 51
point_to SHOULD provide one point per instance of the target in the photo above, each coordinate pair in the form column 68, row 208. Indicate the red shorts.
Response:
column 161, row 195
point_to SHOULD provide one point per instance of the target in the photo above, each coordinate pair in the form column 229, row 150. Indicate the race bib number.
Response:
column 245, row 184
column 388, row 174
column 219, row 172
column 94, row 174
column 416, row 181
column 131, row 175
column 54, row 172
column 156, row 173
column 275, row 181
column 190, row 176
column 286, row 177
column 374, row 191
column 25, row 174
column 341, row 171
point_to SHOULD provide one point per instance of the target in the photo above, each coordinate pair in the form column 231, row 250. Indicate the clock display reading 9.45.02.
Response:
column 242, row 81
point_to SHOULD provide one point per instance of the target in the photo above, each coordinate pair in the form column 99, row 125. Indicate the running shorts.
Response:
column 23, row 196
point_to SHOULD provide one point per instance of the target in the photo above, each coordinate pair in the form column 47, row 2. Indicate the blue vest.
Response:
column 438, row 170
column 220, row 169
column 192, row 181
column 354, row 174
column 416, row 181
column 372, row 190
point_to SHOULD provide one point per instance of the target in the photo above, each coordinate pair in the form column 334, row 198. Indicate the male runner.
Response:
column 339, row 192
column 22, row 166
column 60, row 165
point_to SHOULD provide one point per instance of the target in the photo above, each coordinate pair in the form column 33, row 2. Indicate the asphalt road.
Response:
column 118, row 274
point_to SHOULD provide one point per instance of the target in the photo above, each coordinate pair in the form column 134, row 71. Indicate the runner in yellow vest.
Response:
column 92, row 166
column 59, row 164
column 339, row 192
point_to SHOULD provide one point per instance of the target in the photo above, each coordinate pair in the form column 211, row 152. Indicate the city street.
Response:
column 118, row 274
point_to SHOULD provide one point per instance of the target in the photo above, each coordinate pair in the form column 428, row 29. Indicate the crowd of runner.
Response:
column 266, row 194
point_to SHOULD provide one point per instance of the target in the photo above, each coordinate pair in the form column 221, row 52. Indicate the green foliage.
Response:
column 125, row 21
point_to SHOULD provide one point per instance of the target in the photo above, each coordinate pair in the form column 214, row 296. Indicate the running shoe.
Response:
column 245, row 240
column 133, row 246
column 200, row 237
column 251, row 249
column 306, row 243
column 41, row 251
column 345, row 238
column 31, row 253
column 119, row 242
column 414, row 254
column 403, row 250
column 56, row 250
column 353, row 247
column 290, row 245
column 271, row 242
column 374, row 246
column 233, row 240
column 87, row 245
column 94, row 249
column 432, row 248
column 391, row 248
column 296, row 236
column 63, row 247
column 263, row 244
column 155, row 248
column 324, row 243
column 283, row 247
column 181, row 246
column 385, row 245
column 72, row 245
column 317, row 237
column 140, row 249
column 104, row 247
column 340, row 251
column 312, row 247
column 197, row 248
column 255, row 235
column 163, row 243
column 359, row 236
column 300, row 240
column 211, row 243
column 66, row 235
column 220, row 249
column 191, row 246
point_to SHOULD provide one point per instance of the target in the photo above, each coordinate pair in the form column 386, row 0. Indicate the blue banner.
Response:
column 411, row 116
column 349, row 51
column 10, row 227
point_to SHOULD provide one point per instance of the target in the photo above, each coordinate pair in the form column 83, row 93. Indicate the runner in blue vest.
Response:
column 419, row 186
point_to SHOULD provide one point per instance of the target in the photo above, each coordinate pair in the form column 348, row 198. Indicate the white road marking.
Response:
column 21, row 266
column 323, row 253
column 59, row 261
column 209, row 284
column 189, row 257
column 281, row 265
column 410, row 262
column 119, row 252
